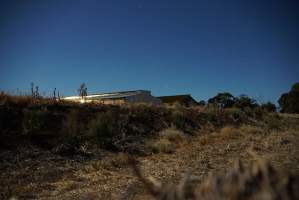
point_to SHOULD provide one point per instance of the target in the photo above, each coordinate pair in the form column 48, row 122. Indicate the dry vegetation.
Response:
column 59, row 150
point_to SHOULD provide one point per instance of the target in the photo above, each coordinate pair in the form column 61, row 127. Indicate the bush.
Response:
column 249, row 112
column 268, row 107
column 35, row 121
column 142, row 119
column 105, row 130
column 184, row 121
column 72, row 129
column 234, row 116
column 273, row 122
column 213, row 114
column 179, row 120
column 259, row 113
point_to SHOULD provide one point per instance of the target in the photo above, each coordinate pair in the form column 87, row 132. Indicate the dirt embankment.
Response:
column 30, row 173
column 62, row 151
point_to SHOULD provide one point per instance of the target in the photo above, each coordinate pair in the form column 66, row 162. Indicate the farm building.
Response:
column 185, row 100
column 118, row 98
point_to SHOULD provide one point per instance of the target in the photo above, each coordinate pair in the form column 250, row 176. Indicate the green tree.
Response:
column 224, row 100
column 270, row 107
column 289, row 102
column 295, row 87
column 202, row 103
column 244, row 101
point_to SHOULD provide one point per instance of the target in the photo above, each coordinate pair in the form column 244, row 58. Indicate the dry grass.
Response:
column 173, row 135
column 247, row 129
column 161, row 145
column 204, row 140
column 168, row 141
column 38, row 174
column 120, row 160
column 260, row 180
column 229, row 132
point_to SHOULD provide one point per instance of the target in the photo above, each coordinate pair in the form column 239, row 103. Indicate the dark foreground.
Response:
column 29, row 172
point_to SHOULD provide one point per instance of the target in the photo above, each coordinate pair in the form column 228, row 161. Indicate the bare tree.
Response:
column 32, row 90
column 82, row 91
column 58, row 95
column 54, row 93
column 36, row 92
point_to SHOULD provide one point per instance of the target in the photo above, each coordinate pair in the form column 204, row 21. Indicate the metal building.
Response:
column 118, row 98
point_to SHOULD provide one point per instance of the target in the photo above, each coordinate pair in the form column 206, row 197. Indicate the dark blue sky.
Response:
column 169, row 47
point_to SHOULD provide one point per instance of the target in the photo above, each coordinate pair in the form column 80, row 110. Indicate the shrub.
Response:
column 20, row 100
column 105, row 130
column 213, row 114
column 268, row 107
column 259, row 112
column 273, row 121
column 72, row 128
column 249, row 112
column 4, row 98
column 179, row 120
column 234, row 116
column 142, row 119
column 184, row 121
column 34, row 121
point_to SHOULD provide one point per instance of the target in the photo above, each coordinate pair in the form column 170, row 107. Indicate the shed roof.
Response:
column 111, row 95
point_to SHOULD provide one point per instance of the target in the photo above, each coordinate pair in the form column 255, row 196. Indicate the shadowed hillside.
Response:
column 62, row 150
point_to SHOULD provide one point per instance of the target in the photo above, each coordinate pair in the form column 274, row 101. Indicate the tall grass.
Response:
column 169, row 139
